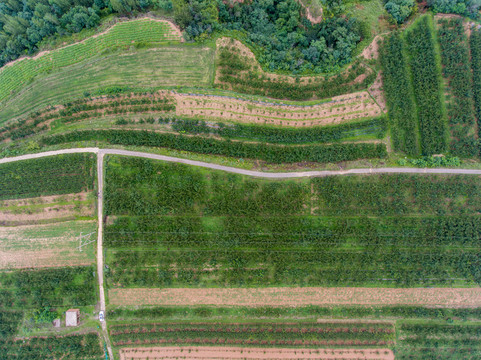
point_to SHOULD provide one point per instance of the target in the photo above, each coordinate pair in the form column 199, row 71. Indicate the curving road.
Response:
column 260, row 174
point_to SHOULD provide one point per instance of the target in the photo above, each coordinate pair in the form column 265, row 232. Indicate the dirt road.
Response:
column 260, row 174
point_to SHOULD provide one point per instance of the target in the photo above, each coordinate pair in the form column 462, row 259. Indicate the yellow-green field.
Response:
column 49, row 245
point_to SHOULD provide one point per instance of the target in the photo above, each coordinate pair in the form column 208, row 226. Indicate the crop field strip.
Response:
column 426, row 75
column 338, row 110
column 431, row 340
column 399, row 95
column 238, row 70
column 475, row 47
column 151, row 104
column 65, row 174
column 47, row 209
column 267, row 334
column 124, row 34
column 295, row 233
column 79, row 346
column 223, row 353
column 455, row 59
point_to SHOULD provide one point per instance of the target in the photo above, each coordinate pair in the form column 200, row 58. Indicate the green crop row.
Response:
column 457, row 70
column 72, row 286
column 475, row 46
column 356, row 312
column 438, row 341
column 60, row 174
column 284, row 135
column 124, row 34
column 426, row 75
column 86, row 346
column 399, row 95
column 268, row 153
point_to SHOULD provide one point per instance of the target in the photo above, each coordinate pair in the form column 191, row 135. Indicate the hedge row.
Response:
column 475, row 45
column 269, row 153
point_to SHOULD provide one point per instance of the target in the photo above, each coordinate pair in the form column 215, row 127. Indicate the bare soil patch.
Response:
column 33, row 210
column 205, row 352
column 431, row 297
column 372, row 50
column 338, row 110
column 377, row 92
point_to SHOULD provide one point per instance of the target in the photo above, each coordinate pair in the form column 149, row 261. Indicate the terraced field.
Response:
column 141, row 32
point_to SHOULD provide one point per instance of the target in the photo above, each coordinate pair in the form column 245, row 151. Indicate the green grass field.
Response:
column 48, row 245
column 123, row 35
column 160, row 67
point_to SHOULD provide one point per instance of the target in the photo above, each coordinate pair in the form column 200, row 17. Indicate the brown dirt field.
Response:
column 220, row 353
column 377, row 92
column 32, row 210
column 341, row 109
column 431, row 297
column 372, row 50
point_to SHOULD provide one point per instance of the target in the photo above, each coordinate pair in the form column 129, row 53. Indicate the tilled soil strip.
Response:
column 198, row 353
column 430, row 297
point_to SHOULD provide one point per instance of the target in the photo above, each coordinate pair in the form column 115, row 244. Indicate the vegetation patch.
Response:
column 176, row 226
column 238, row 70
column 276, row 154
column 457, row 72
column 61, row 174
column 122, row 35
column 399, row 95
column 426, row 75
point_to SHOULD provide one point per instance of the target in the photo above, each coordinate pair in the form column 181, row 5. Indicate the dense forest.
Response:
column 283, row 38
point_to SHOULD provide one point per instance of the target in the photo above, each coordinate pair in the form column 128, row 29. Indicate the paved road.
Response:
column 252, row 173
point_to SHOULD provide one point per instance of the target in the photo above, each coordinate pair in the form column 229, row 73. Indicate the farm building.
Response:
column 56, row 323
column 72, row 317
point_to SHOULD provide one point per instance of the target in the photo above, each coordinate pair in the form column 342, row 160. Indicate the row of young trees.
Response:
column 475, row 47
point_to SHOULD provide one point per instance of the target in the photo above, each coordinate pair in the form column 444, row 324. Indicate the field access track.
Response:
column 259, row 174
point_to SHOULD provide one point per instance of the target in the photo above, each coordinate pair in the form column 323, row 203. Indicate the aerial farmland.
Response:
column 200, row 179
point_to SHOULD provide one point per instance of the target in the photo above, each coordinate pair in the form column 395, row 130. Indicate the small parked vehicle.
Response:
column 101, row 316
